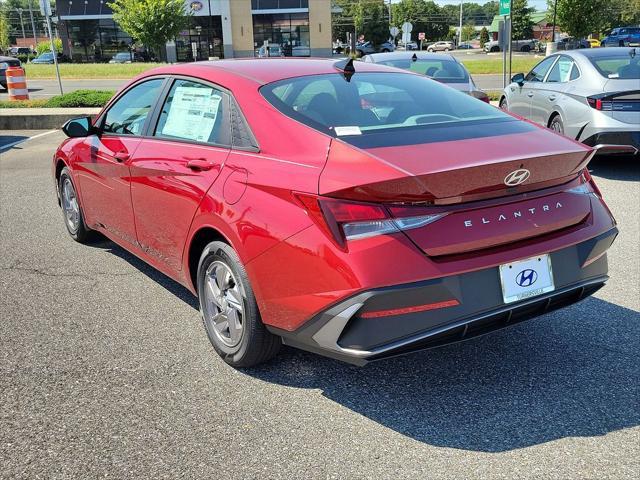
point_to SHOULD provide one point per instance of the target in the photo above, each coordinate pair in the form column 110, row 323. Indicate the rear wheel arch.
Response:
column 552, row 116
column 203, row 237
column 60, row 165
column 503, row 104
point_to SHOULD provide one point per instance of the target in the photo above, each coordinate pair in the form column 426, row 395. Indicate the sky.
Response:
column 539, row 5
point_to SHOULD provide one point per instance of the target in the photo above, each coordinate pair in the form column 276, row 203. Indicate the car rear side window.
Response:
column 446, row 71
column 561, row 71
column 374, row 102
column 196, row 112
column 129, row 113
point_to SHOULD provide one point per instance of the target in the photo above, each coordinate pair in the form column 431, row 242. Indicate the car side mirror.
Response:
column 518, row 78
column 79, row 127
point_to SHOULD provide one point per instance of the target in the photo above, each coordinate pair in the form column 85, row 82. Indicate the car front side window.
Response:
column 129, row 113
column 540, row 71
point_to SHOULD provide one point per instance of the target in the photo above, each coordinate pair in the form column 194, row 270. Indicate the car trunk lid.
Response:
column 455, row 175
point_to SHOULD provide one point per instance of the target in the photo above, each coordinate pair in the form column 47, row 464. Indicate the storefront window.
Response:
column 202, row 40
column 290, row 31
column 278, row 4
column 96, row 40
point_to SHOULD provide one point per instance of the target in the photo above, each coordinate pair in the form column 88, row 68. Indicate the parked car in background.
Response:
column 367, row 48
column 570, row 43
column 443, row 67
column 47, row 58
column 301, row 51
column 20, row 51
column 592, row 96
column 524, row 46
column 466, row 46
column 6, row 62
column 273, row 50
column 622, row 37
column 593, row 42
column 126, row 57
column 440, row 47
column 353, row 210
column 407, row 46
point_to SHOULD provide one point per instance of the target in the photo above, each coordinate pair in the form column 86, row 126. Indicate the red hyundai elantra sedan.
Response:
column 358, row 213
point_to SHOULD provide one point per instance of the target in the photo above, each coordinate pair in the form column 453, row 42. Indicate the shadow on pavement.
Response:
column 9, row 139
column 621, row 167
column 571, row 373
column 172, row 286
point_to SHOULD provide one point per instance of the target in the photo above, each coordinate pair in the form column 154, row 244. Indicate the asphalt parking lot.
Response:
column 105, row 371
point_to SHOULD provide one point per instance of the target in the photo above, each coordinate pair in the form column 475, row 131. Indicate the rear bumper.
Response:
column 623, row 138
column 463, row 306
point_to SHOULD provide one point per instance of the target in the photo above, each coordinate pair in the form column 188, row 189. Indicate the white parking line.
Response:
column 13, row 144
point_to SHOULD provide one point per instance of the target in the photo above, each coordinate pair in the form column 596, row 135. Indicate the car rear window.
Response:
column 374, row 102
column 445, row 71
column 622, row 65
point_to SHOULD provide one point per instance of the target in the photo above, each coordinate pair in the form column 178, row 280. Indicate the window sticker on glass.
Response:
column 342, row 131
column 193, row 113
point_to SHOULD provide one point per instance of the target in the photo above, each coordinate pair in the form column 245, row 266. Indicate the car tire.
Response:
column 557, row 125
column 503, row 104
column 446, row 49
column 621, row 43
column 359, row 54
column 430, row 50
column 226, row 298
column 525, row 49
column 71, row 209
column 385, row 50
column 495, row 49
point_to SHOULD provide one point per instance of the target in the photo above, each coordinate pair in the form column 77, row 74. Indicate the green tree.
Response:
column 4, row 30
column 468, row 32
column 522, row 24
column 484, row 36
column 151, row 22
column 425, row 16
column 490, row 10
column 580, row 18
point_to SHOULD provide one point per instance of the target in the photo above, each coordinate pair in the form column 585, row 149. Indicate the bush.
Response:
column 45, row 46
column 81, row 98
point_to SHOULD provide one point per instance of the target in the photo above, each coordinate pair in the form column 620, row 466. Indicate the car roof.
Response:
column 263, row 70
column 4, row 59
column 600, row 52
column 379, row 57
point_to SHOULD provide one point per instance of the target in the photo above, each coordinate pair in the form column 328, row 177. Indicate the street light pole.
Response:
column 553, row 29
column 21, row 23
column 460, row 28
column 33, row 25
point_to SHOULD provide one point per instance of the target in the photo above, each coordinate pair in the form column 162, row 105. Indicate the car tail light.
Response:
column 345, row 220
column 480, row 95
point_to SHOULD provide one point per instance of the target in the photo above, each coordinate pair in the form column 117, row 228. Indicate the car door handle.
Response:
column 552, row 97
column 121, row 156
column 200, row 164
column 530, row 94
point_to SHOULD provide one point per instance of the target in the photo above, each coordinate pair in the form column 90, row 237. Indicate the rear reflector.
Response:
column 405, row 310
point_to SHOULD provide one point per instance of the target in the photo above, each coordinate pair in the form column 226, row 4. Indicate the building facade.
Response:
column 217, row 28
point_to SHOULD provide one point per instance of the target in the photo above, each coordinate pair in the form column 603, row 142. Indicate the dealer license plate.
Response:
column 526, row 278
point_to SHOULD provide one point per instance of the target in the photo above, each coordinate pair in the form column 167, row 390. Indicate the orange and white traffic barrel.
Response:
column 17, row 84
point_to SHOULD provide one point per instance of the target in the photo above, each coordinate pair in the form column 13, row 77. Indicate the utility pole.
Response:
column 460, row 30
column 210, row 35
column 553, row 29
column 20, row 10
column 33, row 26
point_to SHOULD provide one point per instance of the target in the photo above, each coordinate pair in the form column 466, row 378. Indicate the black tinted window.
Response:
column 194, row 111
column 128, row 114
column 373, row 102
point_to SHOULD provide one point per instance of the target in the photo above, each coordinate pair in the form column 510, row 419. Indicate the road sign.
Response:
column 505, row 7
column 394, row 31
column 407, row 27
column 45, row 8
column 421, row 36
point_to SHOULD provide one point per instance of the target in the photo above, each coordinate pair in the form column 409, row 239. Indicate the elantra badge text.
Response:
column 516, row 214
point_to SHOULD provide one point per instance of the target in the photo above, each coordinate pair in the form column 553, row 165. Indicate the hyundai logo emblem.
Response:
column 517, row 177
column 526, row 278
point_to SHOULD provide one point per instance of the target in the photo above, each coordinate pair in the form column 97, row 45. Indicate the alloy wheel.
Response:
column 223, row 304
column 70, row 205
